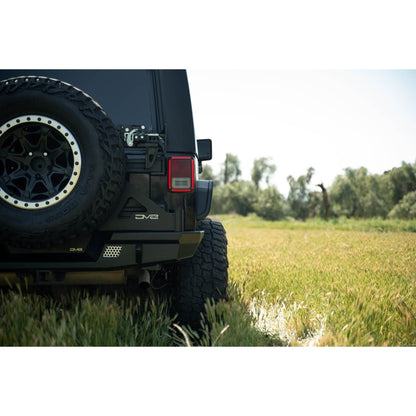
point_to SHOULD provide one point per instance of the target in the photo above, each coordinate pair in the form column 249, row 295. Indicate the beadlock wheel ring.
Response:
column 40, row 162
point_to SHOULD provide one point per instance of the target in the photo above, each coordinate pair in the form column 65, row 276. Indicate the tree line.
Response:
column 354, row 194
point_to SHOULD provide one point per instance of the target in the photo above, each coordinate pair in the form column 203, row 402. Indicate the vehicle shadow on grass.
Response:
column 119, row 316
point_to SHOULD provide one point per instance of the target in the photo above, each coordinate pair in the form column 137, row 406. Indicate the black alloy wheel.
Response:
column 40, row 162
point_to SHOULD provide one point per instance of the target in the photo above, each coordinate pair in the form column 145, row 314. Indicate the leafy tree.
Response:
column 270, row 204
column 359, row 194
column 208, row 174
column 243, row 196
column 356, row 193
column 298, row 194
column 406, row 208
column 374, row 201
column 315, row 207
column 348, row 191
column 400, row 181
column 231, row 170
column 219, row 204
column 238, row 197
column 262, row 169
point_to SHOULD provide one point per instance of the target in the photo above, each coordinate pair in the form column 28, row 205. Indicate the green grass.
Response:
column 340, row 224
column 347, row 283
column 350, row 287
column 80, row 318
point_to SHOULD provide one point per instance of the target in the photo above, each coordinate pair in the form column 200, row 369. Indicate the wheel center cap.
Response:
column 38, row 164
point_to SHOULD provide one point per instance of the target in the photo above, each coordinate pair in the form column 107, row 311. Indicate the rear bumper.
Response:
column 123, row 250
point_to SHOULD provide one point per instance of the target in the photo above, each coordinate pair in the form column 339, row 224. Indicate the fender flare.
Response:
column 203, row 198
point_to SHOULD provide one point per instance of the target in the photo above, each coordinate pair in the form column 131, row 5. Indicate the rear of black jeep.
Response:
column 110, row 194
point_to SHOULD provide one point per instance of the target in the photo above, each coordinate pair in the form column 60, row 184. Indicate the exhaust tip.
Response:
column 144, row 279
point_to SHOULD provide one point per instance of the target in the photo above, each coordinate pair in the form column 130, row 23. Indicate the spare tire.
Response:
column 62, row 162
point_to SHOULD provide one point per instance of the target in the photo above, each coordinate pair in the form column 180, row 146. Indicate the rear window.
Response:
column 125, row 95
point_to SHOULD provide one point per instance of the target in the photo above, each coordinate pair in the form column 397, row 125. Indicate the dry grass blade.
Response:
column 220, row 334
column 187, row 342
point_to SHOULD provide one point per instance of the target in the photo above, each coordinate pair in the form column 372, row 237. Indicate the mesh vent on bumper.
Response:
column 112, row 251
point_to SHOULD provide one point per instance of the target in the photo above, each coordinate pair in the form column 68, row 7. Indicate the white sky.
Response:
column 328, row 119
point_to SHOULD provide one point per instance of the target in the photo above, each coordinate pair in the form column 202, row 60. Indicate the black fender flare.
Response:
column 203, row 198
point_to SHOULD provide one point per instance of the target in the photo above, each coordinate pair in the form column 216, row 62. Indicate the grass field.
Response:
column 339, row 283
column 320, row 286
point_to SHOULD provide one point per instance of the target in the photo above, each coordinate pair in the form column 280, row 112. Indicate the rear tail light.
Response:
column 181, row 174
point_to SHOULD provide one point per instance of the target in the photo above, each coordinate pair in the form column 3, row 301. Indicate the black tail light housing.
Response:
column 181, row 174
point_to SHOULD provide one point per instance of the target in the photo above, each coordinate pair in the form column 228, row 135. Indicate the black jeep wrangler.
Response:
column 99, row 184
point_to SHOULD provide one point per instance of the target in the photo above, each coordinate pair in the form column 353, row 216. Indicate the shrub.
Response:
column 238, row 197
column 406, row 208
column 270, row 204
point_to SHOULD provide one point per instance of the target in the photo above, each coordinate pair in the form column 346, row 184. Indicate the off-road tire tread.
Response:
column 204, row 276
column 114, row 163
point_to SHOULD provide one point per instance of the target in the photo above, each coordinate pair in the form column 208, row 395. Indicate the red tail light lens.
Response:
column 181, row 174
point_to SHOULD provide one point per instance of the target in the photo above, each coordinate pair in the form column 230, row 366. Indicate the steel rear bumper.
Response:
column 123, row 250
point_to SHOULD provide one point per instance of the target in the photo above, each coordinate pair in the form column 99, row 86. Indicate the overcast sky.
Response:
column 329, row 120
